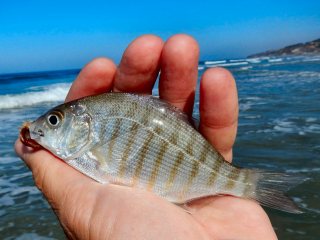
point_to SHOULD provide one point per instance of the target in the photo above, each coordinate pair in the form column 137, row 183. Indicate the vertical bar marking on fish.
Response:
column 114, row 135
column 214, row 172
column 141, row 159
column 132, row 137
column 174, row 170
column 157, row 165
column 233, row 176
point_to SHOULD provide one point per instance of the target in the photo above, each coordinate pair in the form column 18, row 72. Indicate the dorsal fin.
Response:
column 177, row 112
column 162, row 105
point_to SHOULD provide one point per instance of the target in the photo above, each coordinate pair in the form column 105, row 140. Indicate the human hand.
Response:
column 90, row 210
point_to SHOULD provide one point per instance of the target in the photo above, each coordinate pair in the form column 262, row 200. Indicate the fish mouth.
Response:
column 25, row 136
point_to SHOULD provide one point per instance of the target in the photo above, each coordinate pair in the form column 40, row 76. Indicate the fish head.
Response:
column 64, row 130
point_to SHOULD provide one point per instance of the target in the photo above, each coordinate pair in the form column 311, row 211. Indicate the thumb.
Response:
column 52, row 176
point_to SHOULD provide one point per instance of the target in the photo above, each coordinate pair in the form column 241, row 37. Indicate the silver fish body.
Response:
column 143, row 142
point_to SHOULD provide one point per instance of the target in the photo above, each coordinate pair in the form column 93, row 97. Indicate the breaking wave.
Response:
column 224, row 63
column 51, row 93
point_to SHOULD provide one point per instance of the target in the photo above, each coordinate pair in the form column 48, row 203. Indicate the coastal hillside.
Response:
column 312, row 47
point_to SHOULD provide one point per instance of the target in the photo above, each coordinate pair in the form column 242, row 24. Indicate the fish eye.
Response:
column 54, row 119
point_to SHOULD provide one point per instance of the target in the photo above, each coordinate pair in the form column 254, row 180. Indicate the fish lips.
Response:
column 29, row 137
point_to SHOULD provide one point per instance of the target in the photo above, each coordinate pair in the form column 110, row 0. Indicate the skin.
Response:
column 89, row 210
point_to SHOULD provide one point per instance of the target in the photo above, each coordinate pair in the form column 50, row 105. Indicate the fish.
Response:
column 144, row 142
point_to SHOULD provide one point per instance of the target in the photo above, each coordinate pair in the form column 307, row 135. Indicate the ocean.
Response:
column 279, row 130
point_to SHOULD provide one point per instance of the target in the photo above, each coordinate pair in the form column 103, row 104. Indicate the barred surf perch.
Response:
column 143, row 142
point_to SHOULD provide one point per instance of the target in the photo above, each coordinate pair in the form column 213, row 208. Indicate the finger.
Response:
column 179, row 71
column 139, row 65
column 96, row 77
column 51, row 175
column 219, row 110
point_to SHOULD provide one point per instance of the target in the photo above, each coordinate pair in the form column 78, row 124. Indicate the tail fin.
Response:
column 270, row 188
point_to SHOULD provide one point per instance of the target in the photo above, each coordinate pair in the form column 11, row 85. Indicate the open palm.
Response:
column 89, row 210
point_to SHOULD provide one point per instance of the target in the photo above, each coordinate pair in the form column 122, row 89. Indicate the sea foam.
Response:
column 51, row 93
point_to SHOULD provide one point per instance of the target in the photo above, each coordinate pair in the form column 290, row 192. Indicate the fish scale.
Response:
column 144, row 142
column 151, row 157
column 174, row 139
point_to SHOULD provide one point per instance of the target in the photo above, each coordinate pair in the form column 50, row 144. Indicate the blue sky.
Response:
column 38, row 35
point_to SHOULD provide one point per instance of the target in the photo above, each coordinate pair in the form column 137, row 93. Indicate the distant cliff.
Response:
column 312, row 47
